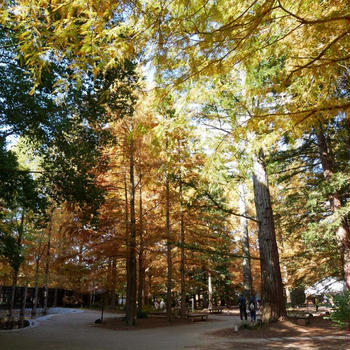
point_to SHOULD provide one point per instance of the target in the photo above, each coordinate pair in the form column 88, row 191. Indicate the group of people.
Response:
column 244, row 303
column 253, row 306
column 159, row 305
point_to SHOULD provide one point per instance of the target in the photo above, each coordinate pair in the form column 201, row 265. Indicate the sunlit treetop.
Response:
column 187, row 40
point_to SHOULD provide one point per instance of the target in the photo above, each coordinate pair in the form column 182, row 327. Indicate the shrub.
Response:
column 147, row 308
column 341, row 315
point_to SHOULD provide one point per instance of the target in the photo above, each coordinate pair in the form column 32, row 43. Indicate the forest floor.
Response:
column 320, row 334
column 77, row 330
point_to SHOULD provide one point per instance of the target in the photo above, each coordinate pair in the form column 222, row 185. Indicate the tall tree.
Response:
column 141, row 250
column 271, row 280
column 169, row 238
column 131, row 257
column 247, row 274
column 336, row 204
column 306, row 218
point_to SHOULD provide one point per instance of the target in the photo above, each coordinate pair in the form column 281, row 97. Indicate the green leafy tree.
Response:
column 306, row 215
column 341, row 315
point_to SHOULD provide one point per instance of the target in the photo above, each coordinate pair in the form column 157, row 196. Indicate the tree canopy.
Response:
column 146, row 119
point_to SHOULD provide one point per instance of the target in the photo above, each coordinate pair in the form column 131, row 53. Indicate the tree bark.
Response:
column 247, row 274
column 13, row 293
column 23, row 306
column 47, row 264
column 36, row 289
column 131, row 278
column 114, row 278
column 127, row 230
column 140, row 294
column 343, row 231
column 168, row 244
column 36, row 282
column 273, row 303
column 182, row 253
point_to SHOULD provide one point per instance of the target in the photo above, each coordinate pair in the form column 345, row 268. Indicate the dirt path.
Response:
column 77, row 331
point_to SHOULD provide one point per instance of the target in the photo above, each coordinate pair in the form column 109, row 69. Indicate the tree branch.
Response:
column 314, row 21
column 219, row 205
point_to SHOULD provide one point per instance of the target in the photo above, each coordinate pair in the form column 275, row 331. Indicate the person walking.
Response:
column 252, row 309
column 242, row 307
column 162, row 305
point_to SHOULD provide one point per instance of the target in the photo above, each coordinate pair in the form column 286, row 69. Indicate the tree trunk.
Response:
column 285, row 281
column 93, row 297
column 343, row 231
column 23, row 306
column 182, row 253
column 114, row 278
column 273, row 303
column 131, row 278
column 36, row 288
column 168, row 244
column 127, row 232
column 149, row 295
column 36, row 285
column 140, row 294
column 13, row 293
column 247, row 274
column 16, row 269
column 47, row 264
column 210, row 292
column 55, row 298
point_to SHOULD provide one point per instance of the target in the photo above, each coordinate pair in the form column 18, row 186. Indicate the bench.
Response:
column 197, row 316
column 175, row 314
column 215, row 310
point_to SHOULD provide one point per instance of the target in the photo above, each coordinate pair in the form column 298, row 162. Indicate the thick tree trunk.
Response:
column 273, row 302
column 169, row 242
column 131, row 278
column 247, row 274
column 140, row 294
column 182, row 253
column 343, row 231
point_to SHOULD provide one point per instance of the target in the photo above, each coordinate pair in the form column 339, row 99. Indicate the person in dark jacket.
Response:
column 242, row 307
column 252, row 309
